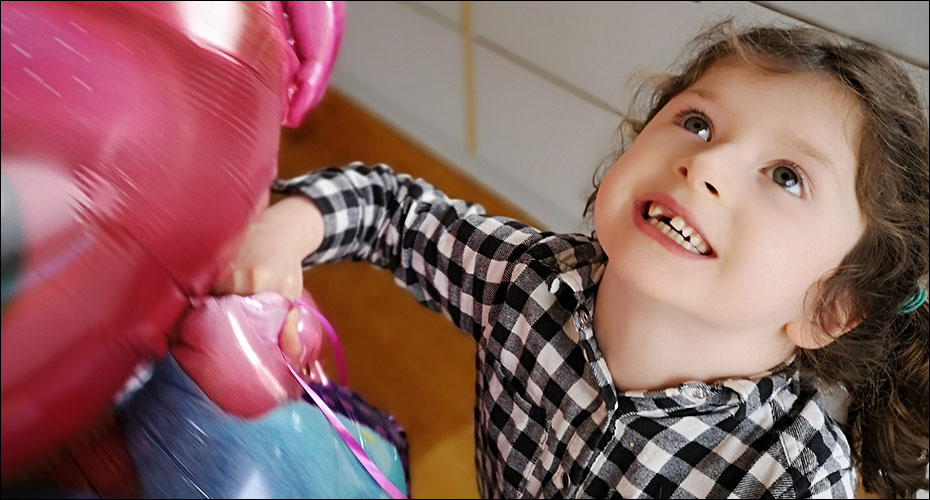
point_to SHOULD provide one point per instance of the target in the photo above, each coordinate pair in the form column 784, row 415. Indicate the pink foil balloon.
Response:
column 138, row 140
column 229, row 346
column 315, row 32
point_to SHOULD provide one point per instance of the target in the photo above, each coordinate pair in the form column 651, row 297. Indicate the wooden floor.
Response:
column 402, row 357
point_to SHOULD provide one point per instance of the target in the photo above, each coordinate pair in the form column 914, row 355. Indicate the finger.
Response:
column 227, row 286
column 290, row 341
column 224, row 280
column 264, row 279
column 292, row 285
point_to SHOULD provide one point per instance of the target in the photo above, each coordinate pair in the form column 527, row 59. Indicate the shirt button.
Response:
column 699, row 394
column 575, row 475
column 583, row 318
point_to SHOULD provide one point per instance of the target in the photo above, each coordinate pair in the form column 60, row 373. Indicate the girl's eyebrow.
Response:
column 806, row 149
column 706, row 94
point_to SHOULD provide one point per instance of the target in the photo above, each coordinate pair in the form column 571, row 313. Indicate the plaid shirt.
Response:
column 550, row 422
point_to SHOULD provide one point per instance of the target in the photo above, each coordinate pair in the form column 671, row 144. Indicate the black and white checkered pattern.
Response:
column 550, row 423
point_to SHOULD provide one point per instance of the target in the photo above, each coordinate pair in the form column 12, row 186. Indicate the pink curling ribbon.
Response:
column 350, row 441
column 334, row 340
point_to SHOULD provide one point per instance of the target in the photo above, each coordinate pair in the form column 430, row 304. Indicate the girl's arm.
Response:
column 446, row 253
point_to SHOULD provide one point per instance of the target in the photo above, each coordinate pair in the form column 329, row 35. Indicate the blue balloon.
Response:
column 184, row 446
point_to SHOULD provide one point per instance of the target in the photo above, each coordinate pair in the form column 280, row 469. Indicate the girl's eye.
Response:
column 787, row 178
column 697, row 125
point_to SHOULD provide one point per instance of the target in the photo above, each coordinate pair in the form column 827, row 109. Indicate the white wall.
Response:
column 550, row 79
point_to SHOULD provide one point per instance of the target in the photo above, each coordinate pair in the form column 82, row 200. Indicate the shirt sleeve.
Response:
column 446, row 253
column 839, row 484
column 824, row 466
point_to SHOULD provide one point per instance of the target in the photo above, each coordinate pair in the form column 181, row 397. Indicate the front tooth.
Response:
column 696, row 240
column 677, row 237
column 677, row 222
column 687, row 231
column 655, row 209
column 665, row 229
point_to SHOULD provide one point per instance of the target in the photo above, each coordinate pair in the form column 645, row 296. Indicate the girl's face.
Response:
column 757, row 172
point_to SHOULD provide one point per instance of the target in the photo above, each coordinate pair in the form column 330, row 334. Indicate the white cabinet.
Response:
column 550, row 80
column 541, row 142
column 595, row 47
column 407, row 68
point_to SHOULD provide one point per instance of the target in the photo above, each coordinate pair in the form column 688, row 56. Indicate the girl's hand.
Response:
column 270, row 258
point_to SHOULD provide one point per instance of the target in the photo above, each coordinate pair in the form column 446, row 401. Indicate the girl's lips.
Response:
column 641, row 221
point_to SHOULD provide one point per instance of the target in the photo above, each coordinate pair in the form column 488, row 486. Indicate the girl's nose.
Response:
column 714, row 169
column 698, row 181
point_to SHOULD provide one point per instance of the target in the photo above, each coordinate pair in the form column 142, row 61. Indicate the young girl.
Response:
column 763, row 236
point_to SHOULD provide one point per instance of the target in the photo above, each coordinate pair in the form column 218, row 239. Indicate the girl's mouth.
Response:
column 675, row 227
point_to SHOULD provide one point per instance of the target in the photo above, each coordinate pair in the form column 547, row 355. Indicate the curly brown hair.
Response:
column 882, row 363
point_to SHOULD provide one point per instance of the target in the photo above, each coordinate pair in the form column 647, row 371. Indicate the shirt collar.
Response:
column 745, row 394
column 580, row 268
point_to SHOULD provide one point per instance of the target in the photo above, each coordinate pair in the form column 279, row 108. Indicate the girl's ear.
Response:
column 807, row 333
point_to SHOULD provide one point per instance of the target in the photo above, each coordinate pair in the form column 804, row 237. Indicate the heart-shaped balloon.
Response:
column 139, row 140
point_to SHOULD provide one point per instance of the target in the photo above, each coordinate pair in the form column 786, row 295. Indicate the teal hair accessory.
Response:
column 916, row 300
